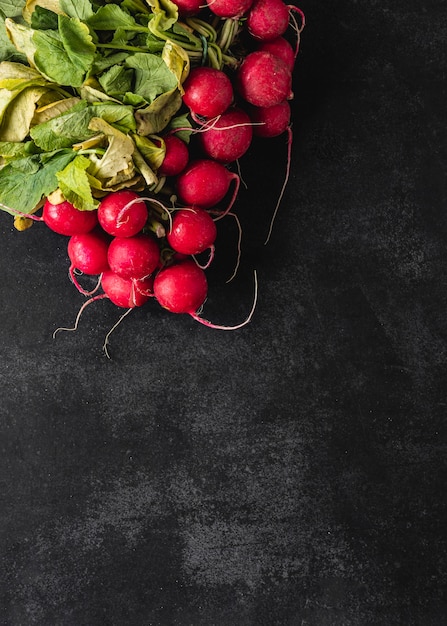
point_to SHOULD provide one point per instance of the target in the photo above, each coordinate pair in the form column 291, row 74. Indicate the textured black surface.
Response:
column 291, row 473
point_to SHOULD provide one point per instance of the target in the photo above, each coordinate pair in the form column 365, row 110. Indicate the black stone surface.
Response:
column 291, row 473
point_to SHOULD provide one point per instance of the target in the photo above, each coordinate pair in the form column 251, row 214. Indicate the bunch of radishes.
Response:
column 154, row 245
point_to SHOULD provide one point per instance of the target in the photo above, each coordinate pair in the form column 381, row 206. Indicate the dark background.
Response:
column 289, row 473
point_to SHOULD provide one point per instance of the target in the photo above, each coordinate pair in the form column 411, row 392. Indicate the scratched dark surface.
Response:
column 293, row 472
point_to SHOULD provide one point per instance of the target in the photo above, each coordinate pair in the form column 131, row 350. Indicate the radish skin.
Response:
column 134, row 257
column 208, row 92
column 205, row 183
column 126, row 293
column 192, row 232
column 229, row 8
column 271, row 121
column 176, row 156
column 268, row 19
column 181, row 288
column 281, row 48
column 65, row 219
column 122, row 213
column 263, row 79
column 229, row 138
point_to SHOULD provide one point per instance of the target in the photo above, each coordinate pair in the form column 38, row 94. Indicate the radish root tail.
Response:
column 106, row 338
column 80, row 312
column 284, row 185
column 205, row 322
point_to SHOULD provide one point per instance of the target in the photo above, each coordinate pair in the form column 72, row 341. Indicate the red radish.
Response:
column 268, row 19
column 181, row 288
column 192, row 231
column 229, row 8
column 124, row 292
column 208, row 91
column 205, row 183
column 122, row 213
column 188, row 7
column 65, row 219
column 264, row 79
column 88, row 253
column 281, row 48
column 271, row 121
column 133, row 257
column 229, row 137
column 176, row 156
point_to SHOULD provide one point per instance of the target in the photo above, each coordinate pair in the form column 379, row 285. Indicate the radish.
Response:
column 208, row 91
column 281, row 48
column 271, row 121
column 176, row 156
column 88, row 253
column 268, row 19
column 122, row 213
column 125, row 292
column 229, row 137
column 188, row 7
column 133, row 257
column 229, row 8
column 193, row 231
column 65, row 219
column 205, row 183
column 182, row 288
column 264, row 79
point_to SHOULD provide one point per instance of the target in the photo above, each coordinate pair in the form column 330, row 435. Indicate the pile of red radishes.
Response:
column 159, row 245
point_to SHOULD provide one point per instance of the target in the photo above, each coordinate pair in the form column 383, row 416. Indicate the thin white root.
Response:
column 284, row 185
column 78, row 317
column 246, row 321
column 106, row 339
column 239, row 244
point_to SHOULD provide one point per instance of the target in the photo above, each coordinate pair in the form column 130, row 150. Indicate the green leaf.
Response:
column 153, row 153
column 73, row 126
column 118, row 156
column 12, row 8
column 17, row 118
column 31, row 6
column 144, row 168
column 67, row 55
column 118, row 115
column 74, row 184
column 7, row 50
column 16, row 149
column 153, row 43
column 117, row 80
column 177, row 60
column 12, row 74
column 152, row 75
column 183, row 122
column 135, row 6
column 56, row 107
column 65, row 130
column 77, row 42
column 43, row 19
column 103, row 62
column 24, row 182
column 157, row 115
column 17, row 110
column 111, row 17
column 134, row 100
column 21, row 37
column 82, row 9
column 166, row 12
